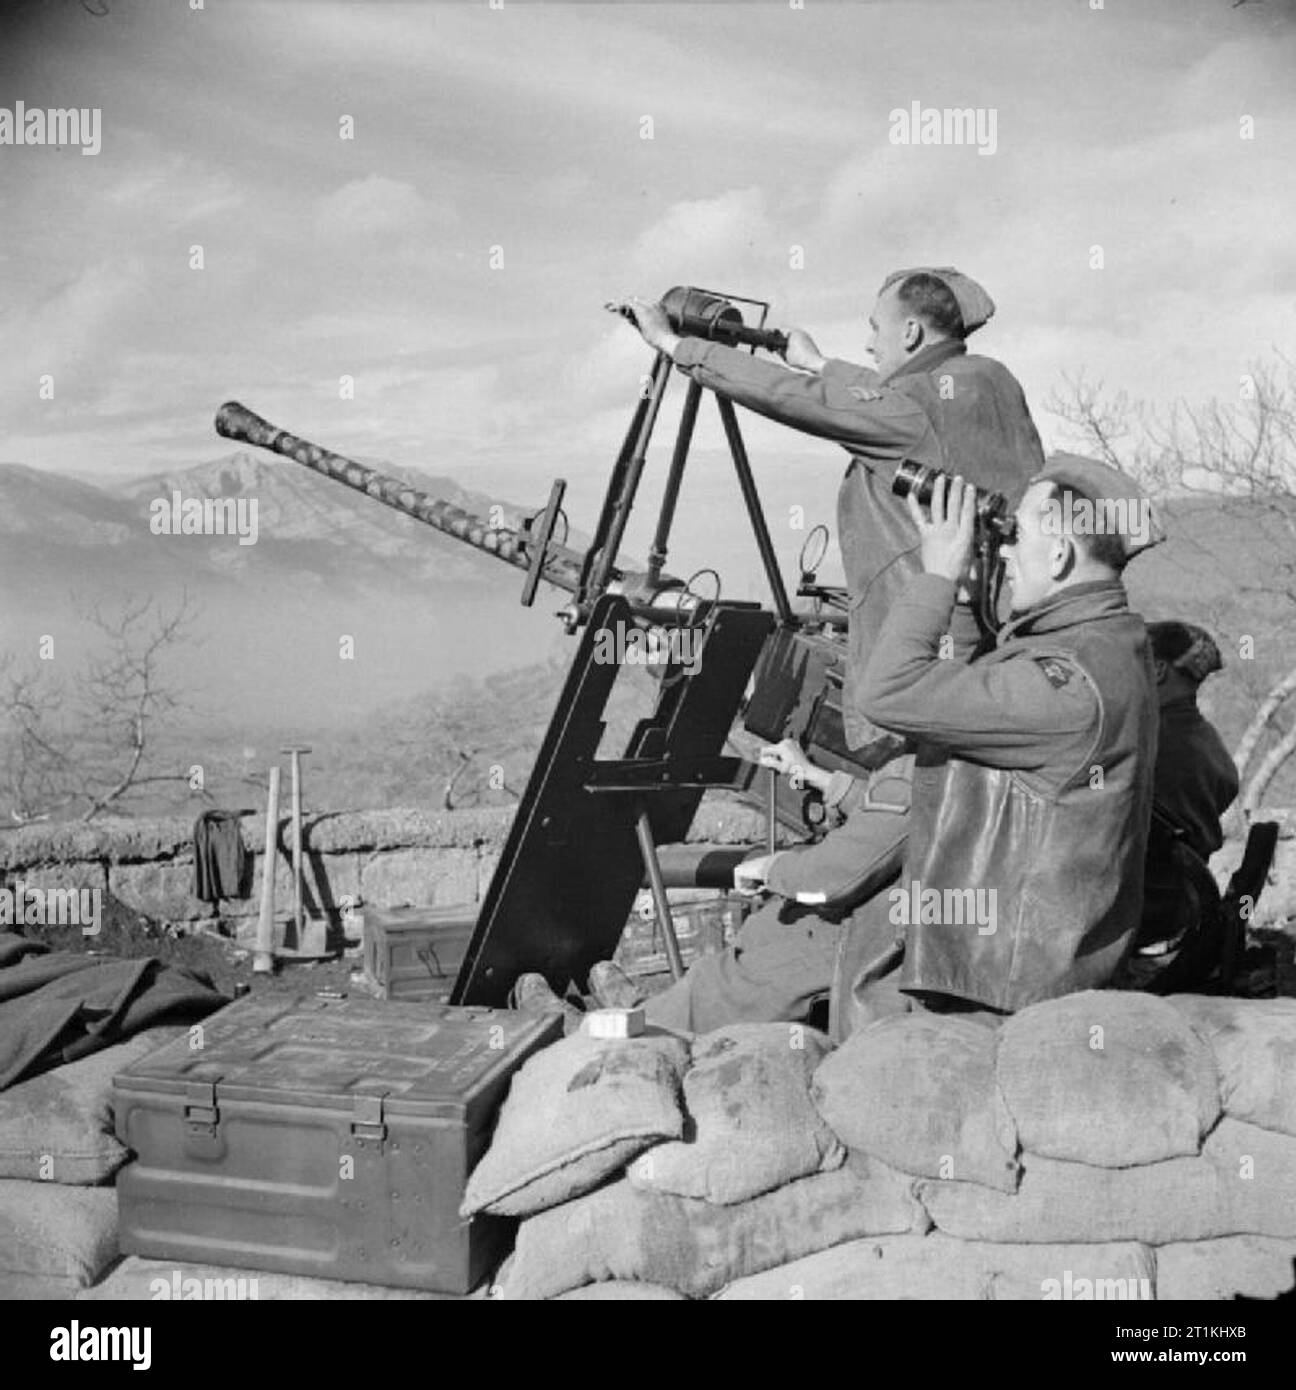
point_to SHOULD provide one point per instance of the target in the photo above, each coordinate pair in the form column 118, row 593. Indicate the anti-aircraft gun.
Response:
column 587, row 829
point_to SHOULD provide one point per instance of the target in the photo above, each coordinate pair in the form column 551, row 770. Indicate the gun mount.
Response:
column 586, row 829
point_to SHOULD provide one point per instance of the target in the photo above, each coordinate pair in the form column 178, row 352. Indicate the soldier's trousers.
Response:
column 783, row 959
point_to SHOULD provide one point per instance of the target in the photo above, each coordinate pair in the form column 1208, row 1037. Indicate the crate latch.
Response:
column 367, row 1123
column 200, row 1112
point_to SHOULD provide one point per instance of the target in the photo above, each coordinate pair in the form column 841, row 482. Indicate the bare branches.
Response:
column 90, row 753
column 1269, row 706
column 1241, row 456
column 1099, row 424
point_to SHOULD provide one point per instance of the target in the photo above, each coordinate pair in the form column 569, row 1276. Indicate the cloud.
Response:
column 67, row 330
column 171, row 189
column 707, row 238
column 379, row 204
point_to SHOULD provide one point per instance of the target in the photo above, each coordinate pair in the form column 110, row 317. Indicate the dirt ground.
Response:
column 1269, row 967
column 222, row 960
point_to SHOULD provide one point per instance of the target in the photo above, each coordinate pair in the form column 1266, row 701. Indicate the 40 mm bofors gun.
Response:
column 587, row 829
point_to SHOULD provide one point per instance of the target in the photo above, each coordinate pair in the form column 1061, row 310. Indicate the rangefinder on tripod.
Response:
column 695, row 313
column 995, row 526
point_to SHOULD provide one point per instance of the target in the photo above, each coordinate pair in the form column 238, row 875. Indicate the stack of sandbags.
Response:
column 1116, row 1100
column 58, row 1222
column 1103, row 1118
column 1254, row 1045
column 1104, row 1145
column 645, row 1167
column 941, row 1267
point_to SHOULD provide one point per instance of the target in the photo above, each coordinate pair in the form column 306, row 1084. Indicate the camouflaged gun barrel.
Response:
column 562, row 566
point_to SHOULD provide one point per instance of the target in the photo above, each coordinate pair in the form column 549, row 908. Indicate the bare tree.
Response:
column 1241, row 456
column 88, row 753
column 38, row 773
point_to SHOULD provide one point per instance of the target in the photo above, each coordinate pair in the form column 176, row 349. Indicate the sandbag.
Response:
column 137, row 1279
column 58, row 1126
column 1242, row 1183
column 918, row 1091
column 576, row 1112
column 696, row 1247
column 749, row 1123
column 1254, row 1045
column 622, row 1291
column 56, row 1232
column 1108, row 1078
column 1253, row 1266
column 939, row 1267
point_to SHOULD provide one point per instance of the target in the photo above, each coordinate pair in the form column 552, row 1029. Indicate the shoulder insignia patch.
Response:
column 1057, row 673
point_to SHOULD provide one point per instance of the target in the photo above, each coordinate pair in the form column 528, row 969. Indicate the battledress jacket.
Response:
column 944, row 407
column 1196, row 777
column 1033, row 779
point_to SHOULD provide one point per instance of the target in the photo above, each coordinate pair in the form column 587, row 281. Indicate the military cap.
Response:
column 1123, row 507
column 975, row 305
column 1186, row 647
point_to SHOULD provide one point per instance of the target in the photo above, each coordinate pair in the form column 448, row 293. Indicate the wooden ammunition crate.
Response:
column 415, row 952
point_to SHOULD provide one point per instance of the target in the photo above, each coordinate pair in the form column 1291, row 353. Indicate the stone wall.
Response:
column 388, row 858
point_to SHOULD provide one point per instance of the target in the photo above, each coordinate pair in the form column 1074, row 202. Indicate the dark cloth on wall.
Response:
column 220, row 857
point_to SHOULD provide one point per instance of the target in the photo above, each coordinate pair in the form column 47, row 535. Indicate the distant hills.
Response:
column 308, row 525
column 421, row 609
column 327, row 563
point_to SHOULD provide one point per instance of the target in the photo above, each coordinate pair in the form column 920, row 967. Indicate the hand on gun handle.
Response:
column 750, row 875
column 789, row 760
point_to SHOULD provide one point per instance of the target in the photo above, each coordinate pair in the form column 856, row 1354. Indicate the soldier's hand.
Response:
column 946, row 532
column 801, row 352
column 783, row 757
column 750, row 875
column 789, row 759
column 651, row 321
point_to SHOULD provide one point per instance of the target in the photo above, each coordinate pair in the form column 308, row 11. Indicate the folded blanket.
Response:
column 56, row 1006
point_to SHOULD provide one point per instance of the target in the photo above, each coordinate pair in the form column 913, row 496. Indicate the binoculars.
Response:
column 993, row 517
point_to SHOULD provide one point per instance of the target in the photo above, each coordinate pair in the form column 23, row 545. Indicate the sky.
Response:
column 453, row 256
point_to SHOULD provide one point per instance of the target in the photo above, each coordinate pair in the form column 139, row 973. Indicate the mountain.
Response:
column 344, row 607
column 347, row 538
column 328, row 564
